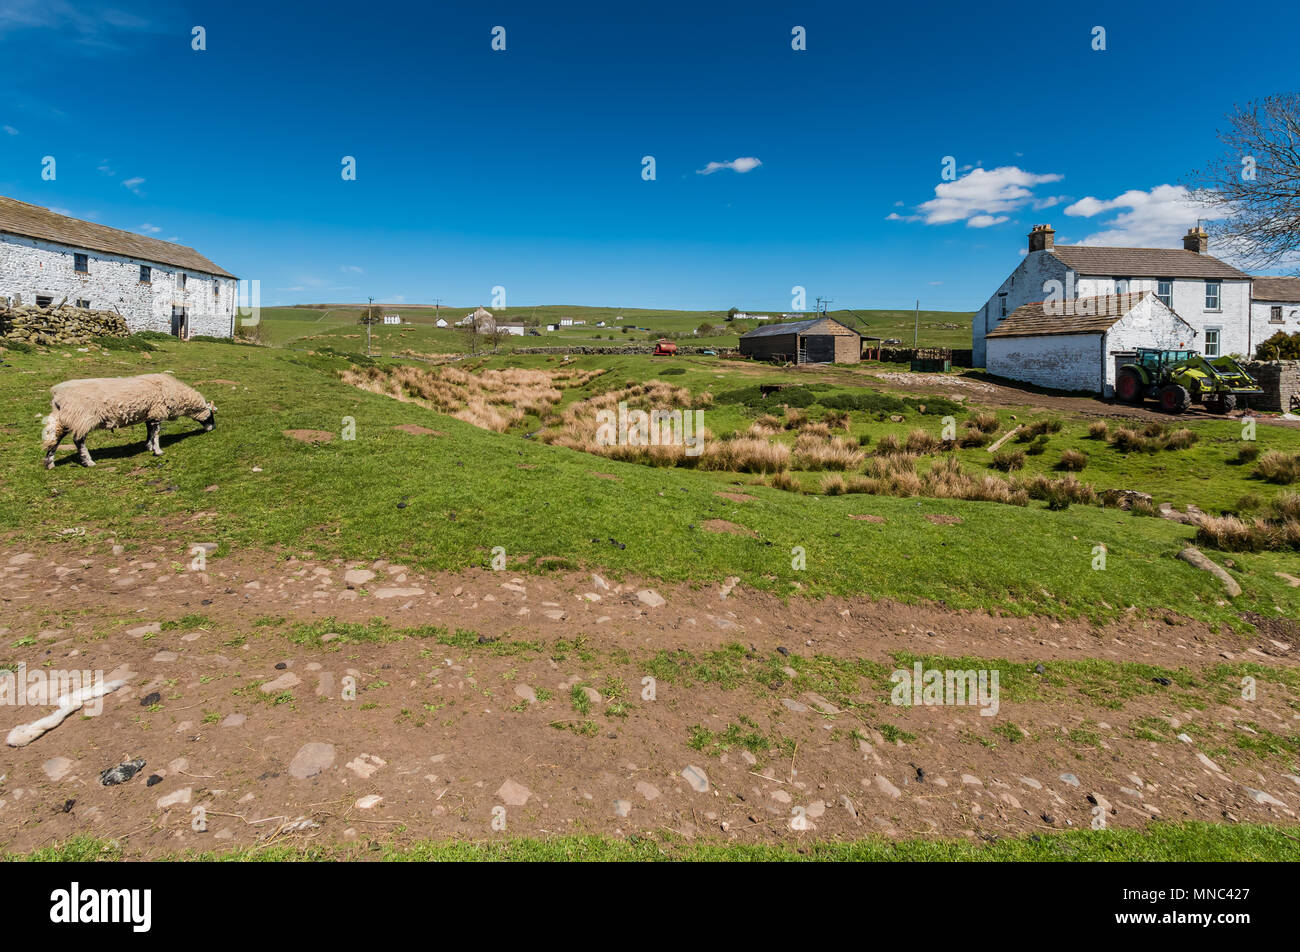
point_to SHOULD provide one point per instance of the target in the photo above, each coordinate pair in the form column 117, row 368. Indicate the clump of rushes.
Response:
column 1247, row 453
column 1073, row 461
column 984, row 422
column 833, row 484
column 921, row 443
column 1278, row 467
column 1008, row 460
column 1098, row 430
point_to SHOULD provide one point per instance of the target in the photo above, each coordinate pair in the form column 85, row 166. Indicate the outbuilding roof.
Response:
column 33, row 221
column 1089, row 315
column 796, row 327
column 1283, row 290
column 1144, row 262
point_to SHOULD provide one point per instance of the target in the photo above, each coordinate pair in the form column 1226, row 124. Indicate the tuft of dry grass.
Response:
column 921, row 443
column 814, row 452
column 1073, row 461
column 745, row 454
column 784, row 479
column 1059, row 493
column 1278, row 467
column 984, row 422
column 1008, row 460
column 1098, row 430
column 833, row 484
column 972, row 437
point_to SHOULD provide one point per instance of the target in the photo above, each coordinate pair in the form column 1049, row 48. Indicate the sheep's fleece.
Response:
column 79, row 407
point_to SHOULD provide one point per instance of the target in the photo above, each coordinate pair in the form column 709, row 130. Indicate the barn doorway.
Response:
column 180, row 322
column 819, row 349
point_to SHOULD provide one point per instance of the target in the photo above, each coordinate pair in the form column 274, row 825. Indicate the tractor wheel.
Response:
column 1129, row 386
column 1227, row 403
column 1174, row 398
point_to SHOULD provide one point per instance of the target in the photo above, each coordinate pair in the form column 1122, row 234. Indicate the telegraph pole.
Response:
column 370, row 319
column 916, row 330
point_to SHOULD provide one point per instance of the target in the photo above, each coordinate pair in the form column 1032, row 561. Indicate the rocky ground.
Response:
column 265, row 701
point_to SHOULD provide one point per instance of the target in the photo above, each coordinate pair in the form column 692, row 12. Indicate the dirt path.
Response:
column 528, row 711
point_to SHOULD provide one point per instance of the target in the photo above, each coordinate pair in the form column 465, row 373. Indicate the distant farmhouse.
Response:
column 820, row 340
column 392, row 318
column 513, row 329
column 46, row 258
column 1067, row 315
column 482, row 320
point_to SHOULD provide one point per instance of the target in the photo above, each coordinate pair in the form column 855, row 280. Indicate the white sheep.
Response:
column 79, row 407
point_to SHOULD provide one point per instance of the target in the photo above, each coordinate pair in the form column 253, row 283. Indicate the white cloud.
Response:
column 1155, row 219
column 149, row 229
column 82, row 24
column 133, row 184
column 11, row 130
column 742, row 165
column 350, row 269
column 982, row 198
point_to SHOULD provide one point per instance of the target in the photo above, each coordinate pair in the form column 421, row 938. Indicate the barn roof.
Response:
column 1144, row 262
column 1089, row 315
column 1282, row 290
column 796, row 327
column 33, row 221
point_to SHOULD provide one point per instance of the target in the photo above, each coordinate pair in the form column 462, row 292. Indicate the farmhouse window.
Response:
column 1212, row 295
column 182, row 278
column 1002, row 298
column 83, row 302
column 1121, row 285
column 1212, row 342
column 146, row 274
column 43, row 300
column 81, row 263
column 1275, row 314
column 1165, row 292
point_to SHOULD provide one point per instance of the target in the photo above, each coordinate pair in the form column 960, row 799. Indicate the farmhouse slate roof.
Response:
column 1090, row 315
column 1282, row 290
column 33, row 221
column 797, row 327
column 1144, row 262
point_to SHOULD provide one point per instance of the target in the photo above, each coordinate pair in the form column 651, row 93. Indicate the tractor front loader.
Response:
column 1179, row 378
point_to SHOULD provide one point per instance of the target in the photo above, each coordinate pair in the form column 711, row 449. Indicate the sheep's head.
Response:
column 208, row 417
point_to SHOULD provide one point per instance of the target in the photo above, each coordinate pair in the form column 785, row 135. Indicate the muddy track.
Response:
column 536, row 717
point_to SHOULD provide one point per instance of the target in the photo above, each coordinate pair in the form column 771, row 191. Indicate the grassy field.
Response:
column 339, row 327
column 1168, row 843
column 444, row 502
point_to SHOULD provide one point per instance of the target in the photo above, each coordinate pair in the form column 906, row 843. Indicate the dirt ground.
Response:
column 248, row 736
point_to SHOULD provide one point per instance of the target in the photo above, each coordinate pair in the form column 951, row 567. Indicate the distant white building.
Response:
column 155, row 285
column 392, row 318
column 482, row 320
column 441, row 322
column 1275, row 306
column 514, row 330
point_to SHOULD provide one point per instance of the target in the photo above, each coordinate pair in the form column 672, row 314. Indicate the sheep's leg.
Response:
column 154, row 428
column 52, row 435
column 83, row 454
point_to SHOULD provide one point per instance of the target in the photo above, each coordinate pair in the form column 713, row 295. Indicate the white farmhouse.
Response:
column 1275, row 306
column 1077, row 344
column 1211, row 296
column 155, row 285
column 392, row 318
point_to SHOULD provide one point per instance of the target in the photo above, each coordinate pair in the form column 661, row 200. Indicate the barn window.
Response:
column 146, row 274
column 1213, row 291
column 81, row 263
column 1121, row 285
column 1275, row 314
column 1165, row 292
column 1002, row 298
column 83, row 302
column 1212, row 342
column 44, row 300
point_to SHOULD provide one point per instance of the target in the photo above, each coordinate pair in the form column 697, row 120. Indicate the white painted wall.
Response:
column 31, row 267
column 1059, row 361
column 1026, row 284
column 1261, row 317
column 1233, row 317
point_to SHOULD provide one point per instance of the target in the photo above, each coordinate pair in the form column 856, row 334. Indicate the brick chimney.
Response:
column 1197, row 239
column 1041, row 238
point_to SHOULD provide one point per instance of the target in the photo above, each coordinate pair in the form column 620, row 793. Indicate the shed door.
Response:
column 819, row 348
column 180, row 322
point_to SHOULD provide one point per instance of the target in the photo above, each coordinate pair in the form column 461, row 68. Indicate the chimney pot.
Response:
column 1041, row 238
column 1197, row 239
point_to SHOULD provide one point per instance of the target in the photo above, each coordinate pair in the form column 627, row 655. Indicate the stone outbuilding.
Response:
column 820, row 340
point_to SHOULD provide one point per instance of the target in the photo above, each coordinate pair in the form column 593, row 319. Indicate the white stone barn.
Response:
column 1210, row 295
column 1077, row 344
column 155, row 285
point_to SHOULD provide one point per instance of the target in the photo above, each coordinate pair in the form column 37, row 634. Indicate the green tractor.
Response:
column 1179, row 378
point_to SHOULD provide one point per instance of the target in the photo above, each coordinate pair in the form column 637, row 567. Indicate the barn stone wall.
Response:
column 30, row 267
column 1056, row 361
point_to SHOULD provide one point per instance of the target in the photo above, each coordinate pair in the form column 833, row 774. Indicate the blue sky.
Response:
column 523, row 168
